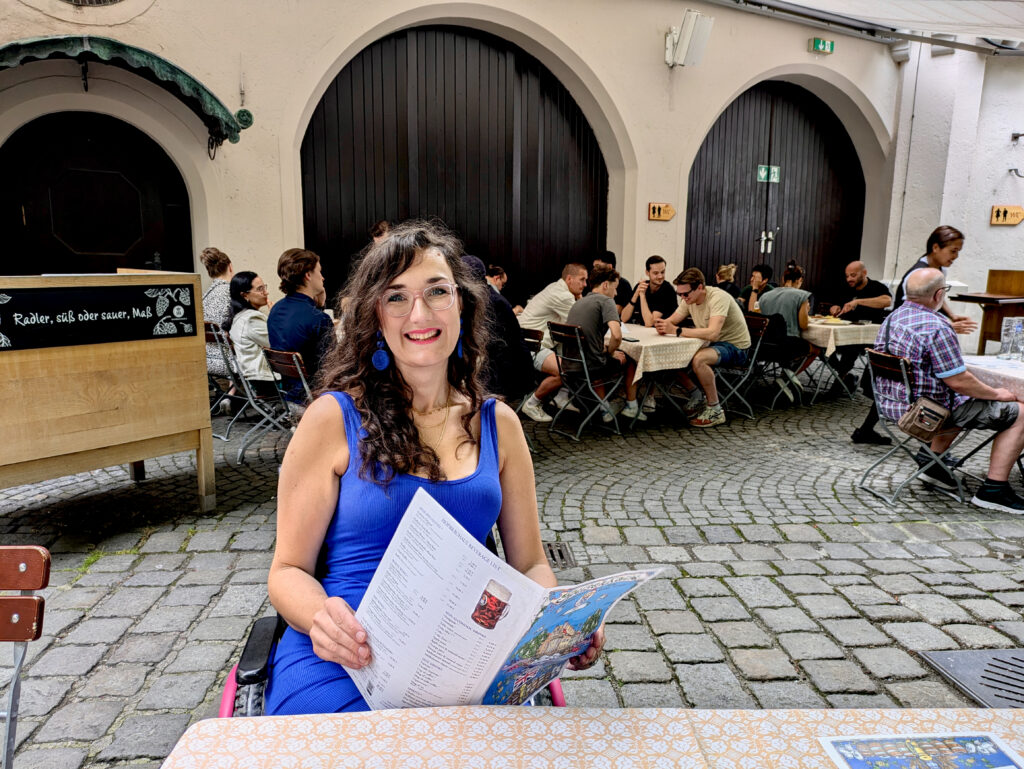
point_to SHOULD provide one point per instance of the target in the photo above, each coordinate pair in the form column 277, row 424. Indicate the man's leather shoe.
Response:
column 870, row 436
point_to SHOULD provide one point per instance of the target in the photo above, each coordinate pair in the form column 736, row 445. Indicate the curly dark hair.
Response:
column 391, row 443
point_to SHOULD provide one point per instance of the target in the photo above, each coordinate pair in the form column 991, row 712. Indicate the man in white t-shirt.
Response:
column 719, row 321
column 552, row 303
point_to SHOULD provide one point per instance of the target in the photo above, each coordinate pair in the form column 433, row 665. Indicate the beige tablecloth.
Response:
column 829, row 336
column 654, row 352
column 998, row 373
column 569, row 738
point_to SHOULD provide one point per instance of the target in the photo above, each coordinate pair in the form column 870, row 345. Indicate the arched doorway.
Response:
column 90, row 193
column 776, row 179
column 454, row 123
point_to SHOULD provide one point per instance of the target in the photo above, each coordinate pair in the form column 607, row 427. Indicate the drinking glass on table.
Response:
column 1006, row 338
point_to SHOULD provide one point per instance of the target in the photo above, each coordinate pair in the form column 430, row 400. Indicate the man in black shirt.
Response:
column 652, row 298
column 865, row 299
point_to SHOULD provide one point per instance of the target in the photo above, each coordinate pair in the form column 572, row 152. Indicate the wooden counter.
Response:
column 101, row 370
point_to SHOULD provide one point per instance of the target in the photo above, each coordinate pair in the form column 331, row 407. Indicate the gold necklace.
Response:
column 444, row 425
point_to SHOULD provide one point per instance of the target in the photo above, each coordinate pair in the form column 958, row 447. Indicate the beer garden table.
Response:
column 996, row 372
column 565, row 737
column 829, row 336
column 657, row 352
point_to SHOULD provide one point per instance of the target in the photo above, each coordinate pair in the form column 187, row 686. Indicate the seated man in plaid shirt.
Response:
column 917, row 332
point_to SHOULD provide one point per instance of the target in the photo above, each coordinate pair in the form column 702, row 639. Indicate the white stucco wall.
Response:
column 650, row 120
column 954, row 155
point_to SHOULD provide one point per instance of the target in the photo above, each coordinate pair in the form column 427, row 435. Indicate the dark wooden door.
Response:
column 452, row 123
column 84, row 192
column 813, row 214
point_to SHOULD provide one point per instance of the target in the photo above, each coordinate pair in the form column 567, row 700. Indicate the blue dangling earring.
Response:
column 458, row 347
column 380, row 358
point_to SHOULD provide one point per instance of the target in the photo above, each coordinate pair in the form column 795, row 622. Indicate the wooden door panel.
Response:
column 726, row 203
column 816, row 209
column 452, row 123
column 90, row 194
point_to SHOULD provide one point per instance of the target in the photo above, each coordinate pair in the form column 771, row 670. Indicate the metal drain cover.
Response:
column 993, row 678
column 559, row 555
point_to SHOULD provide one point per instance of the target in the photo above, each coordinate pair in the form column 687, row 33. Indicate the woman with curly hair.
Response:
column 401, row 407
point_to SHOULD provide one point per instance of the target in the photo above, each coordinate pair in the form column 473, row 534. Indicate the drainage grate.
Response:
column 559, row 555
column 993, row 678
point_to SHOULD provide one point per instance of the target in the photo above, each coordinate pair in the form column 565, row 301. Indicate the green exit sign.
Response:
column 818, row 45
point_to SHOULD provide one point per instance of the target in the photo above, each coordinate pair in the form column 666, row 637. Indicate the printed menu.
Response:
column 450, row 623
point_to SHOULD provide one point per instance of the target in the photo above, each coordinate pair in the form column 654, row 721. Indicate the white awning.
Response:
column 994, row 19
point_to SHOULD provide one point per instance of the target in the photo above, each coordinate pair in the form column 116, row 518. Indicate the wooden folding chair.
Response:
column 289, row 365
column 25, row 569
column 531, row 340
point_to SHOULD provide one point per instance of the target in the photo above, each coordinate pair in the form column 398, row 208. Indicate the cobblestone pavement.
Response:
column 784, row 584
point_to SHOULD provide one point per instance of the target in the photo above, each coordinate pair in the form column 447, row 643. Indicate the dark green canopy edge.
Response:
column 197, row 97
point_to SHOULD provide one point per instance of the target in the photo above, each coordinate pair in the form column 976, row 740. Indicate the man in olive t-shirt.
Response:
column 718, row 320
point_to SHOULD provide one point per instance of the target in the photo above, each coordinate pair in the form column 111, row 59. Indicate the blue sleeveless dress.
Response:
column 364, row 522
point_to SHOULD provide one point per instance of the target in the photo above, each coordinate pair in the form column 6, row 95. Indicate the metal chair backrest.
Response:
column 288, row 364
column 25, row 569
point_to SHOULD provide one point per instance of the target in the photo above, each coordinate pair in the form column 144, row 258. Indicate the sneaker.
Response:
column 650, row 404
column 608, row 416
column 782, row 385
column 634, row 411
column 998, row 498
column 937, row 475
column 533, row 410
column 709, row 417
column 562, row 401
column 694, row 404
column 794, row 380
column 870, row 436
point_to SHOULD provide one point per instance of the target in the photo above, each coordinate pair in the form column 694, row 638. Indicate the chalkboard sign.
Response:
column 31, row 318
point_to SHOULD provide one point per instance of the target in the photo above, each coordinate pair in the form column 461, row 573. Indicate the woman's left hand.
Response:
column 963, row 325
column 589, row 657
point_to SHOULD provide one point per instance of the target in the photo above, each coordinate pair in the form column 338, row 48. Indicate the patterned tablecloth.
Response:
column 829, row 336
column 998, row 373
column 655, row 352
column 563, row 737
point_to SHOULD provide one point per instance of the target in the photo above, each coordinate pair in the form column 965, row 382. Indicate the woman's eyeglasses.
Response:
column 257, row 290
column 398, row 302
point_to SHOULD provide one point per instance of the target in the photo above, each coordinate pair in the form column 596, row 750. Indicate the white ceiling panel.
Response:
column 997, row 19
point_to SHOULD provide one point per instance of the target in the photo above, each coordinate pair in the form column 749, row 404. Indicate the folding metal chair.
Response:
column 735, row 381
column 25, row 569
column 583, row 387
column 271, row 408
column 896, row 369
column 211, row 330
column 290, row 365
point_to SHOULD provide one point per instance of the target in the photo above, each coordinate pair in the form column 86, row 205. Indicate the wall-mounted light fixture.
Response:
column 1017, row 173
column 684, row 45
column 1015, row 137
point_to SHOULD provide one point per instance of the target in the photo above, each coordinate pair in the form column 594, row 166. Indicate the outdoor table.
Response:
column 997, row 372
column 657, row 352
column 829, row 336
column 564, row 737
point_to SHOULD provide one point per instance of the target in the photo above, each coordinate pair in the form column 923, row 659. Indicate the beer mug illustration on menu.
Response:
column 492, row 606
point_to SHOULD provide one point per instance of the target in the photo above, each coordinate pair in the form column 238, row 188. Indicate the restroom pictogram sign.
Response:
column 660, row 212
column 1007, row 215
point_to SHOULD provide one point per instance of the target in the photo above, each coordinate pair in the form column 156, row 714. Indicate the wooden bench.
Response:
column 25, row 569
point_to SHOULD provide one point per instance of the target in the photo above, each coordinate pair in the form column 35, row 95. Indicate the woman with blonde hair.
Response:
column 724, row 280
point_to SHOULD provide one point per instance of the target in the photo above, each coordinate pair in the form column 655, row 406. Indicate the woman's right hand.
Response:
column 337, row 635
